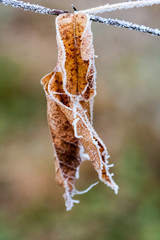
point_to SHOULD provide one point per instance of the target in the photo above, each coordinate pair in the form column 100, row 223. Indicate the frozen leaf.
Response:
column 70, row 90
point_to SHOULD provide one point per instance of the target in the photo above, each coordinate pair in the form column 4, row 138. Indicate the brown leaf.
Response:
column 70, row 90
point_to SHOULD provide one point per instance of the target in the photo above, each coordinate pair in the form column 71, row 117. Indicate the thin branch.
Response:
column 114, row 22
column 118, row 6
column 32, row 7
column 125, row 24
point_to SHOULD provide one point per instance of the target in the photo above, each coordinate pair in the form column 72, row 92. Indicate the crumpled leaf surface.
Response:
column 70, row 90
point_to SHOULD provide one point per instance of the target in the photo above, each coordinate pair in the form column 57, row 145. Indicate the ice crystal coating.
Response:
column 125, row 24
column 119, row 6
column 31, row 7
column 113, row 7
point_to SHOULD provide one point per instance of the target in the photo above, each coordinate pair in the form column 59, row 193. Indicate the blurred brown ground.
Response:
column 126, row 116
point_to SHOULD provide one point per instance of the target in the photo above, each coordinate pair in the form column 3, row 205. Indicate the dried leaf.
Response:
column 70, row 90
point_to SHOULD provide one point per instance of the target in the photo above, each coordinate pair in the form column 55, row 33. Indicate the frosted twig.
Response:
column 32, row 7
column 43, row 10
column 118, row 6
column 125, row 24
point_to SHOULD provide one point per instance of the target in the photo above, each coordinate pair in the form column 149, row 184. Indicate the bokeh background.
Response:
column 126, row 116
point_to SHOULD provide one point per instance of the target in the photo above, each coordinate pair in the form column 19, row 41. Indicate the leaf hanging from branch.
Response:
column 70, row 90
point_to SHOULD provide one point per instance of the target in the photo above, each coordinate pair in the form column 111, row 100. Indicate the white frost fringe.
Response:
column 69, row 201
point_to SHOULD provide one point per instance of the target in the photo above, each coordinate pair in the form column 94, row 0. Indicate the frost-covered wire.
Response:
column 125, row 24
column 119, row 23
column 124, row 5
column 31, row 7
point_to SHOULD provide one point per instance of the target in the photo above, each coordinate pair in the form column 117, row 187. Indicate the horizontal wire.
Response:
column 32, row 7
column 125, row 24
column 115, row 22
column 119, row 6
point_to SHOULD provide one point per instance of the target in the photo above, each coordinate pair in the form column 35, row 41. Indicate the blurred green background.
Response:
column 126, row 117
